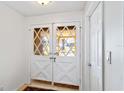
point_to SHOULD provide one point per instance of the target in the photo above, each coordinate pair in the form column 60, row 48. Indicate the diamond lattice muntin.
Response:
column 41, row 41
column 66, row 41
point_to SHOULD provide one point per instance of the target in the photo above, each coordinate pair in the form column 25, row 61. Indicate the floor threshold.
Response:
column 38, row 85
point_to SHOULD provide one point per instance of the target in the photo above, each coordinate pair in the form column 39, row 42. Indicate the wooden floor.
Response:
column 43, row 85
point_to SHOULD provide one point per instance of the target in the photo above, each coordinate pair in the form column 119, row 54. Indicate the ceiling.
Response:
column 33, row 8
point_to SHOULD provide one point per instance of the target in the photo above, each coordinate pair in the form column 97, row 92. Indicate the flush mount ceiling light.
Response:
column 44, row 2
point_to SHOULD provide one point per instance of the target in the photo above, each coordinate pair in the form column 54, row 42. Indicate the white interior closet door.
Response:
column 66, row 49
column 114, row 45
column 96, row 45
column 41, row 65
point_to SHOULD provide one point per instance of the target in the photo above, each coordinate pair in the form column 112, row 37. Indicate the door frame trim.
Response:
column 89, row 12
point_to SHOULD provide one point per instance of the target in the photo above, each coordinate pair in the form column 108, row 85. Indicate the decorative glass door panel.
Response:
column 66, row 41
column 41, row 41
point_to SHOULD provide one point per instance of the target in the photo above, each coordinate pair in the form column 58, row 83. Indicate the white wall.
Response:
column 15, row 40
column 12, row 56
column 51, row 18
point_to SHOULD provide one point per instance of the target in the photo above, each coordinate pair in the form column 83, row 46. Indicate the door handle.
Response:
column 109, row 57
column 89, row 64
column 54, row 59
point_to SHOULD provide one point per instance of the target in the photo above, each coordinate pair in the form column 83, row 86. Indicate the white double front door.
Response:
column 55, row 53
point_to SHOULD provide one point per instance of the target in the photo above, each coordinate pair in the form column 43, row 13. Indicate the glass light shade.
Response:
column 43, row 2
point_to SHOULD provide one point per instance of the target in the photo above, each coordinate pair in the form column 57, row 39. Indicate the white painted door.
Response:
column 66, row 47
column 41, row 65
column 96, row 47
column 114, row 44
column 55, row 53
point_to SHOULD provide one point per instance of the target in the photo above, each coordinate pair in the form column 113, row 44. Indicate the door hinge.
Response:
column 80, row 28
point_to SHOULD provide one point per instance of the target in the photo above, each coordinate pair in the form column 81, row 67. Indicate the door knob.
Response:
column 54, row 59
column 89, row 65
column 109, row 56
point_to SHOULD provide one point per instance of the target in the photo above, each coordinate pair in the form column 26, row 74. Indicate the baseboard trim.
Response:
column 49, row 83
column 58, row 84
